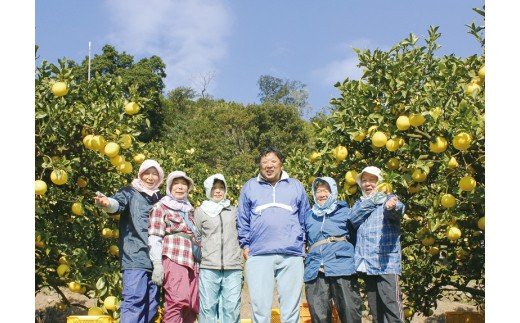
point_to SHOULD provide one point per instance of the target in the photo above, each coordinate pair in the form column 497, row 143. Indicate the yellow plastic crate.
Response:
column 464, row 317
column 89, row 319
column 305, row 315
column 275, row 315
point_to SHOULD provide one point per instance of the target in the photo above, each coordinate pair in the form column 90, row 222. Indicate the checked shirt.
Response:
column 378, row 241
column 165, row 222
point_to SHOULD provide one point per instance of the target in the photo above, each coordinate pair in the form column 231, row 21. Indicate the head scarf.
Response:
column 169, row 200
column 138, row 184
column 370, row 170
column 330, row 204
column 209, row 206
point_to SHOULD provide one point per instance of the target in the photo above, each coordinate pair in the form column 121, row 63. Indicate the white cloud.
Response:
column 189, row 36
column 338, row 70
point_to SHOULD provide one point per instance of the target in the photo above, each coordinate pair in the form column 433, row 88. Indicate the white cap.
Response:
column 178, row 174
column 370, row 170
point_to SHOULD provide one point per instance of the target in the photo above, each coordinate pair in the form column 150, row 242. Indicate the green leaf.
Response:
column 100, row 284
column 479, row 11
column 40, row 115
column 316, row 168
column 103, row 292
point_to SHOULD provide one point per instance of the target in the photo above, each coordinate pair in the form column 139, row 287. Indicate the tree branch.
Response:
column 424, row 134
column 65, row 299
column 471, row 290
column 62, row 296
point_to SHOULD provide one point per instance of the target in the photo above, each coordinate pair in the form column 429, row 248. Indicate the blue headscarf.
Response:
column 330, row 204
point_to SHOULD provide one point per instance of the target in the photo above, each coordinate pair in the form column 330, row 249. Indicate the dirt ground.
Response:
column 48, row 311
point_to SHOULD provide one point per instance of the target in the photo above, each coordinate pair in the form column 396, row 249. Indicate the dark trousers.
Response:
column 343, row 290
column 384, row 298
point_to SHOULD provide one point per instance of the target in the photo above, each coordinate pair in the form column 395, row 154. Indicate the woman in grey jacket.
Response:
column 220, row 280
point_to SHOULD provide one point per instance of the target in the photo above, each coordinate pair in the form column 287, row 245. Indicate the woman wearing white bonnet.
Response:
column 220, row 280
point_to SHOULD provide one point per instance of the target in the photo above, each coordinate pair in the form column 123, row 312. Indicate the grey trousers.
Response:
column 384, row 298
column 343, row 290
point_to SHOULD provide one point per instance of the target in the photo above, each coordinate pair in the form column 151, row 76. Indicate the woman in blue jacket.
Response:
column 329, row 264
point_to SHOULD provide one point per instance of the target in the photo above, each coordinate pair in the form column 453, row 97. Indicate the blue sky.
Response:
column 235, row 42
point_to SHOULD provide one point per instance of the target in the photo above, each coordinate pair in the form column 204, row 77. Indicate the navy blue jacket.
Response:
column 134, row 208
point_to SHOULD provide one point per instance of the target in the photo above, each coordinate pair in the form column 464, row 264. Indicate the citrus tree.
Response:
column 87, row 140
column 84, row 142
column 420, row 118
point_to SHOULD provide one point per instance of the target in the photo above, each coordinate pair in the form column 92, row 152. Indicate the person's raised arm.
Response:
column 362, row 209
column 115, row 204
column 394, row 209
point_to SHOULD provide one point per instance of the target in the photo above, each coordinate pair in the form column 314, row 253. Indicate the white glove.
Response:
column 113, row 205
column 158, row 273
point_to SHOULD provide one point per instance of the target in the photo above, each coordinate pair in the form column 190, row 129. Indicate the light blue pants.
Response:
column 261, row 273
column 140, row 297
column 219, row 291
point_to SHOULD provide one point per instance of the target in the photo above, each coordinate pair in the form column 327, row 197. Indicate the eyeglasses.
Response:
column 322, row 190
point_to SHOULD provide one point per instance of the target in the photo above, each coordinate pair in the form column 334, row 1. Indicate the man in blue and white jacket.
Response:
column 271, row 231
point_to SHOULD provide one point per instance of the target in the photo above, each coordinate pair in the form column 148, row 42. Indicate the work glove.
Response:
column 158, row 273
column 379, row 198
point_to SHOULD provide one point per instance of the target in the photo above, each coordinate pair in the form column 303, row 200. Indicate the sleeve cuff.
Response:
column 155, row 245
column 113, row 206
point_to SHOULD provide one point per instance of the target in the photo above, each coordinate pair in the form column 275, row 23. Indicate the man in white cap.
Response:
column 377, row 254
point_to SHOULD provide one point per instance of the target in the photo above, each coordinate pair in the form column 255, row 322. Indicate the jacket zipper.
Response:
column 323, row 235
column 221, row 240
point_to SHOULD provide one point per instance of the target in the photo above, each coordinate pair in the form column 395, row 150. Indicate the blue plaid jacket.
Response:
column 377, row 240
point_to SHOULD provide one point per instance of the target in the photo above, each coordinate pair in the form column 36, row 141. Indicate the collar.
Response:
column 284, row 176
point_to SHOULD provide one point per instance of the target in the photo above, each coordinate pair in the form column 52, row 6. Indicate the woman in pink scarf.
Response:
column 140, row 297
column 170, row 240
